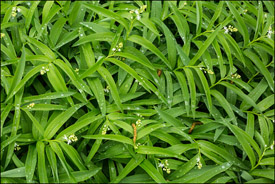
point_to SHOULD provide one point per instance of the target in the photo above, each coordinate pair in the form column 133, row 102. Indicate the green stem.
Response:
column 258, row 72
column 259, row 159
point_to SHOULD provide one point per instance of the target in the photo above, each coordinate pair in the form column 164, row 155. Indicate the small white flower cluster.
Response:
column 199, row 163
column 230, row 29
column 139, row 115
column 2, row 35
column 245, row 11
column 16, row 147
column 164, row 166
column 207, row 70
column 138, row 122
column 77, row 70
column 31, row 105
column 44, row 70
column 235, row 76
column 14, row 10
column 118, row 47
column 70, row 139
column 107, row 89
column 139, row 83
column 138, row 144
column 138, row 12
column 105, row 129
column 269, row 32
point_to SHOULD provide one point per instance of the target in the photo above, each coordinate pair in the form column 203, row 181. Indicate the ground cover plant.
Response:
column 137, row 91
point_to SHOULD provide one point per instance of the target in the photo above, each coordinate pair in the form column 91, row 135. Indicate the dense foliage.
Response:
column 137, row 91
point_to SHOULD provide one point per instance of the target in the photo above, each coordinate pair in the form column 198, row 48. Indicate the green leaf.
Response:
column 205, row 87
column 241, row 24
column 151, row 170
column 42, row 47
column 30, row 14
column 160, row 151
column 111, row 83
column 58, row 121
column 60, row 155
column 184, row 90
column 143, row 81
column 170, row 39
column 169, row 119
column 204, row 177
column 8, row 141
column 42, row 171
column 241, row 94
column 132, row 164
column 97, row 88
column 185, row 168
column 78, row 125
column 56, row 29
column 118, row 138
column 128, row 53
column 199, row 16
column 35, row 122
column 19, row 71
column 264, row 71
column 14, row 173
column 225, row 104
column 30, row 163
column 266, row 173
column 109, row 14
column 192, row 87
column 148, row 45
column 208, row 42
column 74, row 156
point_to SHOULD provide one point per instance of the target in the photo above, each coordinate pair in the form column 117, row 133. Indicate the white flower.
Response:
column 113, row 49
column 70, row 139
column 199, row 165
column 137, row 12
column 269, row 32
column 138, row 122
column 161, row 165
column 65, row 137
column 13, row 14
column 30, row 105
column 138, row 17
column 16, row 147
column 106, row 90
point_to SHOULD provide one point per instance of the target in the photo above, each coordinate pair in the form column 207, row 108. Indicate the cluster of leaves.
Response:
column 76, row 75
